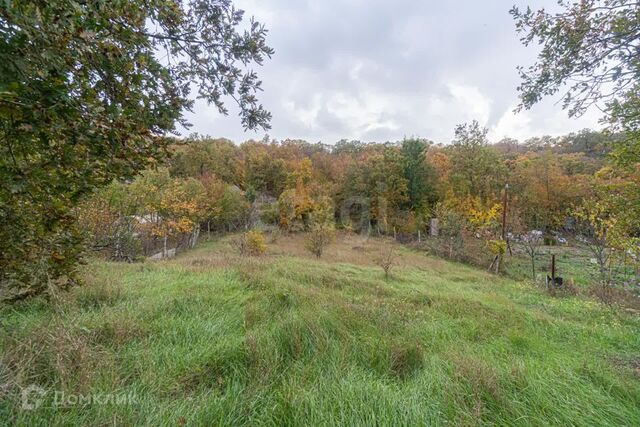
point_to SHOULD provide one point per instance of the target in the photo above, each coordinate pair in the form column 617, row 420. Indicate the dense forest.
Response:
column 555, row 186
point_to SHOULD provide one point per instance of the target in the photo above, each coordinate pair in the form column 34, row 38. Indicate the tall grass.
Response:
column 212, row 339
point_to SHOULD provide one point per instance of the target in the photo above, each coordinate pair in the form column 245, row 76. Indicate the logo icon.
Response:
column 32, row 397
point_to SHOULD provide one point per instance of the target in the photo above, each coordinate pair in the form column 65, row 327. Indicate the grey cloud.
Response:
column 380, row 70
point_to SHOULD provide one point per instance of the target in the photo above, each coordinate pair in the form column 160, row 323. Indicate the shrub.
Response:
column 275, row 235
column 255, row 243
column 250, row 243
column 387, row 260
column 317, row 240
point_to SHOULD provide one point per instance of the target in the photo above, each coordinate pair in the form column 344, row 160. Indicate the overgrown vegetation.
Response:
column 251, row 243
column 88, row 93
column 305, row 330
column 211, row 338
column 317, row 240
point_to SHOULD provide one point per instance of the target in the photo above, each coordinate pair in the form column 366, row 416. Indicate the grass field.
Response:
column 209, row 338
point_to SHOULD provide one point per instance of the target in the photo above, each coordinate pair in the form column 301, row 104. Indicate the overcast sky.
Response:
column 380, row 70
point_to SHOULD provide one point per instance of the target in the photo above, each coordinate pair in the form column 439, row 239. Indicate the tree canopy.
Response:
column 590, row 53
column 89, row 92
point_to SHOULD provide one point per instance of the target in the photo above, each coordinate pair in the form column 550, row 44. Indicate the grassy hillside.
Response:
column 212, row 339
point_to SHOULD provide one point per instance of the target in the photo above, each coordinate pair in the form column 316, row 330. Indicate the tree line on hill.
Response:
column 89, row 92
column 563, row 184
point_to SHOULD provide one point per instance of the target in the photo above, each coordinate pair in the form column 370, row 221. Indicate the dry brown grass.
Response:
column 348, row 248
column 477, row 387
column 353, row 249
column 58, row 354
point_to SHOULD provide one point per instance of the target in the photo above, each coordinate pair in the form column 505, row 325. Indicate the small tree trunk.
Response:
column 533, row 267
column 450, row 247
column 164, row 246
column 196, row 233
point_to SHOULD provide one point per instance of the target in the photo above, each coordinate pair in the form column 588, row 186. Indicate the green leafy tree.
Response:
column 203, row 156
column 590, row 53
column 476, row 169
column 418, row 173
column 88, row 90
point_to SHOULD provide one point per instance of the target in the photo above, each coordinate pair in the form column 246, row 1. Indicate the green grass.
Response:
column 572, row 263
column 209, row 339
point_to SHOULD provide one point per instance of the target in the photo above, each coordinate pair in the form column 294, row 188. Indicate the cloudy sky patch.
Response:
column 376, row 70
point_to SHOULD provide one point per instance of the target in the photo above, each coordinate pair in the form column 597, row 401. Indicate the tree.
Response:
column 546, row 194
column 108, row 220
column 380, row 179
column 386, row 259
column 418, row 173
column 531, row 243
column 597, row 225
column 321, row 224
column 180, row 209
column 234, row 209
column 476, row 169
column 450, row 227
column 264, row 173
column 200, row 156
column 317, row 239
column 589, row 50
column 213, row 191
column 88, row 90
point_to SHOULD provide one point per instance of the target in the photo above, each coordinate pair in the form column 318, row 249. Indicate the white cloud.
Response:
column 539, row 122
column 379, row 70
column 474, row 104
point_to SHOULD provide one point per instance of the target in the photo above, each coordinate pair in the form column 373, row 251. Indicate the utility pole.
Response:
column 503, row 235
column 504, row 212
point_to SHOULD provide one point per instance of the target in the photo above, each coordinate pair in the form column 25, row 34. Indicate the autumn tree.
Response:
column 450, row 227
column 265, row 173
column 380, row 179
column 545, row 193
column 202, row 156
column 181, row 209
column 107, row 218
column 304, row 205
column 475, row 168
column 88, row 91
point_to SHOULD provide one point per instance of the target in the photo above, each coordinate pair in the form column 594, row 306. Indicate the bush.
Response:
column 250, row 243
column 256, row 244
column 317, row 239
column 275, row 235
column 386, row 260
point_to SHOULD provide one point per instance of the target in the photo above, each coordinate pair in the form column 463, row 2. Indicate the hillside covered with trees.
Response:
column 153, row 278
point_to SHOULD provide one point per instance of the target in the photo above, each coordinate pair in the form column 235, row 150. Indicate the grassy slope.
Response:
column 209, row 339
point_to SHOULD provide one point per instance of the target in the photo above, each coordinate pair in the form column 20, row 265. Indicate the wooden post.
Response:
column 433, row 227
column 553, row 270
column 504, row 213
column 503, row 234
